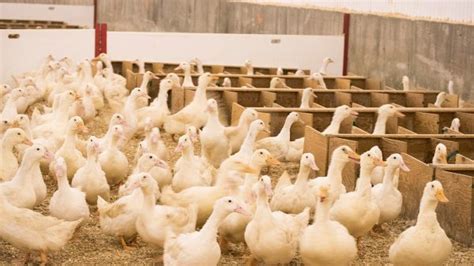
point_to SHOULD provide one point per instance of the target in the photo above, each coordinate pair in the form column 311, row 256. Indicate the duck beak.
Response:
column 214, row 78
column 314, row 95
column 440, row 195
column 272, row 161
column 314, row 166
column 404, row 167
column 399, row 114
column 354, row 113
column 48, row 156
column 161, row 164
column 266, row 130
column 354, row 156
column 301, row 121
column 179, row 148
column 178, row 68
column 84, row 129
column 28, row 142
column 379, row 162
column 242, row 211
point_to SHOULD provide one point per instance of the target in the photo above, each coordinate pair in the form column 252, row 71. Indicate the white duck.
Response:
column 440, row 155
column 187, row 81
column 324, row 66
column 356, row 210
column 154, row 221
column 199, row 67
column 227, row 83
column 20, row 191
column 440, row 99
column 277, row 82
column 157, row 168
column 278, row 146
column 9, row 111
column 385, row 112
column 272, row 237
column 129, row 111
column 455, row 124
column 68, row 150
column 319, row 78
column 379, row 171
column 215, row 146
column 193, row 174
column 279, row 71
column 386, row 195
column 306, row 97
column 339, row 158
column 181, row 249
column 335, row 245
column 406, row 83
column 119, row 218
column 31, row 231
column 158, row 109
column 67, row 203
column 342, row 112
column 425, row 243
column 294, row 198
column 248, row 67
column 140, row 64
column 90, row 178
column 9, row 165
column 152, row 144
column 116, row 119
column 193, row 114
column 236, row 134
column 113, row 161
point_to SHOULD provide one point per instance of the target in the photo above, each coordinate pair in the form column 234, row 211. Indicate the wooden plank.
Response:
column 379, row 99
column 390, row 146
column 402, row 130
column 373, row 84
column 356, row 105
column 243, row 81
column 237, row 111
column 461, row 159
column 267, row 98
column 452, row 100
column 451, row 146
column 317, row 144
column 230, row 99
column 188, row 96
column 467, row 122
column 343, row 84
column 456, row 216
column 341, row 98
column 356, row 130
column 415, row 99
column 298, row 128
column 177, row 99
column 288, row 98
column 349, row 173
column 411, row 185
column 426, row 123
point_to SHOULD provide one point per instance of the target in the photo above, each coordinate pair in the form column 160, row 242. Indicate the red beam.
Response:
column 100, row 39
column 95, row 13
column 345, row 30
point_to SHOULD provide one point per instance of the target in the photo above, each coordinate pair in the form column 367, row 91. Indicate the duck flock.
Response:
column 193, row 209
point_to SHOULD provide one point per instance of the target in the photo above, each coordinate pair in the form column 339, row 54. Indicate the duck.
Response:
column 10, row 111
column 227, row 83
column 22, row 121
column 129, row 111
column 68, row 150
column 306, row 97
column 194, row 173
column 181, row 249
column 342, row 112
column 193, row 134
column 9, row 165
column 339, row 158
column 193, row 114
column 320, row 79
column 152, row 144
column 199, row 67
column 233, row 227
column 426, row 242
column 67, row 203
column 158, row 109
column 236, row 134
column 157, row 168
column 85, row 107
column 133, row 180
column 248, row 146
column 116, row 119
column 385, row 112
column 455, row 124
column 406, row 83
column 278, row 145
column 440, row 99
column 324, row 66
column 112, row 160
column 279, row 71
column 187, row 81
column 154, row 221
column 272, row 237
column 4, row 125
column 379, row 171
column 294, row 198
column 20, row 190
column 452, row 92
column 441, row 154
column 335, row 245
column 300, row 72
column 386, row 195
column 90, row 178
column 116, row 78
column 32, row 231
column 356, row 210
column 118, row 218
column 215, row 146
column 205, row 196
column 248, row 67
column 174, row 79
column 140, row 64
column 277, row 82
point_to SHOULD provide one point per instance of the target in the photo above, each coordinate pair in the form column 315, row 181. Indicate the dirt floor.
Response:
column 91, row 246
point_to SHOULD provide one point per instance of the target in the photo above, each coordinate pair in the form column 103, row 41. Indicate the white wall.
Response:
column 27, row 52
column 71, row 14
column 229, row 49
column 453, row 10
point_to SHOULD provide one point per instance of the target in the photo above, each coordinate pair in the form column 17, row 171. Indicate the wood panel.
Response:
column 349, row 173
column 426, row 123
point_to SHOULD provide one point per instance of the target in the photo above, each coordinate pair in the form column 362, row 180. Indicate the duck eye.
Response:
column 37, row 149
column 306, row 157
column 261, row 153
column 368, row 155
column 151, row 157
column 229, row 201
column 19, row 134
column 344, row 149
column 432, row 186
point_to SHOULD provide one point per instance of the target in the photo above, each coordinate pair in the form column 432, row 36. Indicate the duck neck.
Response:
column 70, row 140
column 162, row 99
column 305, row 100
column 324, row 67
column 388, row 177
column 322, row 215
column 285, row 131
column 380, row 124
column 91, row 157
column 427, row 214
column 63, row 183
column 335, row 172
column 7, row 146
column 209, row 230
column 263, row 208
column 302, row 178
column 188, row 153
column 249, row 142
column 148, row 201
column 25, row 167
column 334, row 126
column 200, row 94
column 146, row 79
column 213, row 118
column 365, row 174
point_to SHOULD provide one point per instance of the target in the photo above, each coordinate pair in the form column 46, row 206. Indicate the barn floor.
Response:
column 91, row 246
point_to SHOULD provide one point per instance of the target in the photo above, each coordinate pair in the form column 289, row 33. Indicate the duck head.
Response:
column 441, row 154
column 293, row 117
column 21, row 121
column 193, row 133
column 389, row 110
column 17, row 136
column 262, row 157
column 150, row 75
column 166, row 84
column 212, row 107
column 37, row 152
column 93, row 146
column 228, row 205
column 205, row 79
column 76, row 124
column 249, row 115
column 149, row 160
column 184, row 142
column 307, row 160
column 264, row 186
column 342, row 112
column 396, row 161
column 370, row 160
column 174, row 78
column 118, row 119
column 435, row 192
column 258, row 125
column 59, row 167
column 345, row 153
column 455, row 124
column 185, row 66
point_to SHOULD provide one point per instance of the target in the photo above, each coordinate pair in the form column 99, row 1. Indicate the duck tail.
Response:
column 102, row 205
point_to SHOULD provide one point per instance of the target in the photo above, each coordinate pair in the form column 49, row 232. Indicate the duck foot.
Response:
column 44, row 258
column 124, row 245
